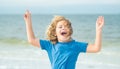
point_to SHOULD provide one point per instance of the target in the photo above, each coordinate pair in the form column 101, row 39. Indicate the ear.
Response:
column 55, row 35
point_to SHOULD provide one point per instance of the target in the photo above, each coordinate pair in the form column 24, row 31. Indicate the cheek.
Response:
column 69, row 32
column 57, row 32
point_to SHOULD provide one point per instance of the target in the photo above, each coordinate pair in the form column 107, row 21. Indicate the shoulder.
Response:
column 79, row 42
column 45, row 41
column 45, row 44
column 81, row 46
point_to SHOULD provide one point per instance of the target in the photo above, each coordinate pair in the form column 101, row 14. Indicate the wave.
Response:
column 13, row 41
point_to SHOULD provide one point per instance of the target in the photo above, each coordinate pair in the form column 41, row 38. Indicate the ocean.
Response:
column 16, row 53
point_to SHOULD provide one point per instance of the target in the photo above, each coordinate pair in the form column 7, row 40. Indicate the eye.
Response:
column 60, row 27
column 67, row 26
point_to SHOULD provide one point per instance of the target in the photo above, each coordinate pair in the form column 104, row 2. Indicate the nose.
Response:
column 63, row 28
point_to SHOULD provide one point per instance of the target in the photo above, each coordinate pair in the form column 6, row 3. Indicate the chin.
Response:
column 64, row 39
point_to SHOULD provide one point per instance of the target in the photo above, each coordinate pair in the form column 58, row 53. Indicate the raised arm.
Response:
column 30, row 34
column 96, row 47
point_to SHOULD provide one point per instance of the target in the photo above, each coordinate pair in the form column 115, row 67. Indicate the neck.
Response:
column 65, row 39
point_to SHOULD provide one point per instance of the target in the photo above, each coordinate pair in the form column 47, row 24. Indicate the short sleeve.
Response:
column 45, row 44
column 82, row 46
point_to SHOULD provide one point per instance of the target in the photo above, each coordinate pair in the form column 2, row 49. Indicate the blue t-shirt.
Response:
column 63, row 55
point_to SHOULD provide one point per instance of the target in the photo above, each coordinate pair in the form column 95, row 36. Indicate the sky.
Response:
column 60, row 6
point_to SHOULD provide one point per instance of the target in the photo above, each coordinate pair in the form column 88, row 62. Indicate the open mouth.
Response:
column 63, row 33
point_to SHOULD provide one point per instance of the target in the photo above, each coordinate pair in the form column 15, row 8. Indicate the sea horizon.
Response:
column 17, row 53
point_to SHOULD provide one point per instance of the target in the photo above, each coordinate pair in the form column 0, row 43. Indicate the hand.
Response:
column 27, row 16
column 99, row 23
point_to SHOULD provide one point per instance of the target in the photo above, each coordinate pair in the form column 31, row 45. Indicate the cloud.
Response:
column 56, row 2
column 59, row 6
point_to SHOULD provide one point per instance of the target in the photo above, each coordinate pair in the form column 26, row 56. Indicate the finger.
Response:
column 103, row 19
column 26, row 13
column 99, row 20
column 101, row 26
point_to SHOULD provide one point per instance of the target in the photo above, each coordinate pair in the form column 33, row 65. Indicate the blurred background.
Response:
column 16, row 53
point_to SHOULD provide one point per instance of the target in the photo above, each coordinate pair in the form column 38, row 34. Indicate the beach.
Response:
column 17, row 53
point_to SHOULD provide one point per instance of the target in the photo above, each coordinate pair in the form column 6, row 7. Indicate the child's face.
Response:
column 63, row 31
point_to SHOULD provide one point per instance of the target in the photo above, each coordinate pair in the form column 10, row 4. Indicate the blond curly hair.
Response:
column 51, row 31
